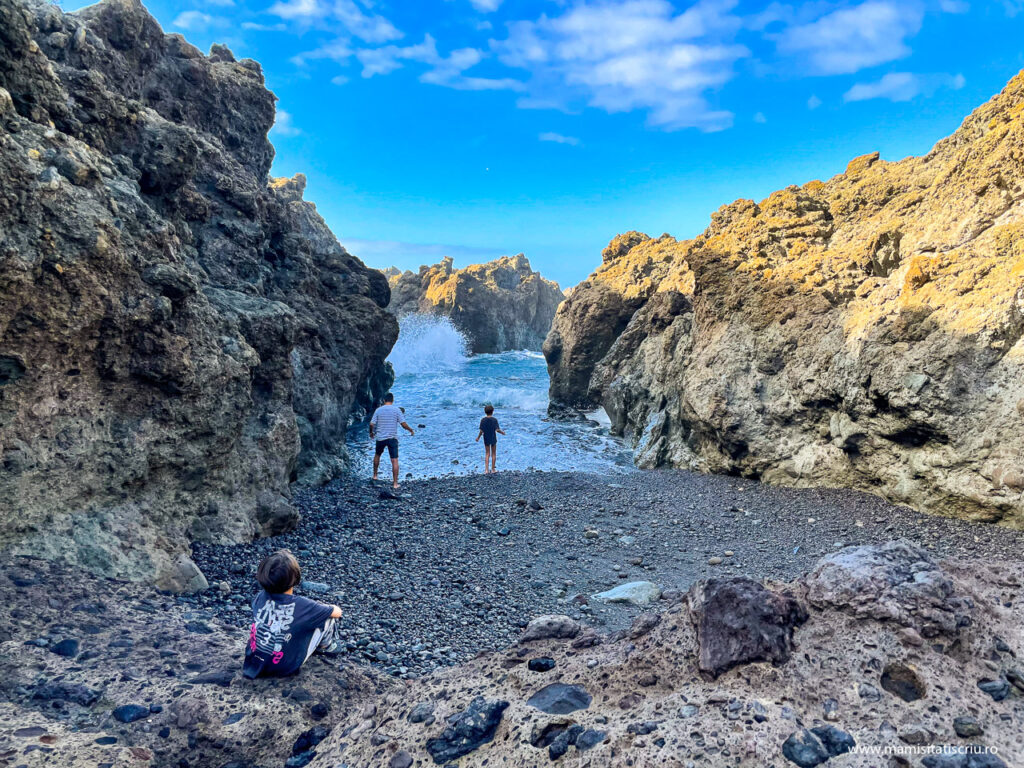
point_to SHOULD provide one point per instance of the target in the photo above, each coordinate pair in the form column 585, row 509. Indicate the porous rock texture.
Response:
column 864, row 332
column 500, row 306
column 639, row 696
column 181, row 337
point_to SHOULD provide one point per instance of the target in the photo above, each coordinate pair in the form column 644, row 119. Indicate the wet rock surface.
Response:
column 183, row 337
column 858, row 332
column 500, row 306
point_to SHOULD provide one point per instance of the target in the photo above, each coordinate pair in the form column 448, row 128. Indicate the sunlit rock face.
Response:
column 181, row 337
column 862, row 332
column 500, row 306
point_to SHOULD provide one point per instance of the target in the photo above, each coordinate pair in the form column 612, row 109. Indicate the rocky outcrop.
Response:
column 864, row 332
column 500, row 306
column 180, row 338
column 634, row 697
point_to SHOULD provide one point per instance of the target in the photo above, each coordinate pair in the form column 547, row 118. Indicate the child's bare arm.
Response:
column 479, row 436
column 500, row 431
column 335, row 612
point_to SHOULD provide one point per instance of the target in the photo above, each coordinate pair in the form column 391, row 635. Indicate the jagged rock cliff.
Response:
column 864, row 332
column 180, row 337
column 500, row 306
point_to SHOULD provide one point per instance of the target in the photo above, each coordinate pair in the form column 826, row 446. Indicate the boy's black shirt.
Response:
column 281, row 631
column 489, row 426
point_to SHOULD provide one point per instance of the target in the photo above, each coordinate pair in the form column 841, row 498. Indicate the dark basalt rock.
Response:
column 467, row 730
column 811, row 747
column 63, row 691
column 541, row 664
column 129, row 713
column 998, row 689
column 560, row 699
column 739, row 621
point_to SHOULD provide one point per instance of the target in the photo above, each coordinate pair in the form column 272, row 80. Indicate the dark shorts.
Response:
column 391, row 445
column 492, row 442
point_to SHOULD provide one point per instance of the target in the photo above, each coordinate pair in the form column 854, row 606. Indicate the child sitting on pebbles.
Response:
column 286, row 629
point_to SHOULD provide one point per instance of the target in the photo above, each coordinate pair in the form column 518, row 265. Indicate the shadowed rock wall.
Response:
column 180, row 337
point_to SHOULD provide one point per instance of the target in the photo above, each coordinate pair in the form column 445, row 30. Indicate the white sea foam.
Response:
column 427, row 344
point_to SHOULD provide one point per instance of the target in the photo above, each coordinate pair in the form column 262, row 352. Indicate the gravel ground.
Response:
column 459, row 565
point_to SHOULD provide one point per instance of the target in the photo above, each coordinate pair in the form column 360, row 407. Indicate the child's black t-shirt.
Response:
column 489, row 426
column 285, row 628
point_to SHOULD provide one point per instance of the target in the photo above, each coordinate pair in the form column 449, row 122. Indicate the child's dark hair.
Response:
column 279, row 572
column 488, row 409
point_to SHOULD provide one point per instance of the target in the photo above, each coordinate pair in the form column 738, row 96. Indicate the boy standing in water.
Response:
column 489, row 430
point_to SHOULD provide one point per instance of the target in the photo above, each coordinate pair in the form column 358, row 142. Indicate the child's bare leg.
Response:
column 494, row 458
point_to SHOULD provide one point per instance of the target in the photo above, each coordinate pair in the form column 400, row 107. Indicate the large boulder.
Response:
column 863, row 332
column 896, row 581
column 499, row 306
column 177, row 332
column 739, row 621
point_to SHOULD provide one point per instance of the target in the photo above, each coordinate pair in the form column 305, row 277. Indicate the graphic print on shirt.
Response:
column 270, row 629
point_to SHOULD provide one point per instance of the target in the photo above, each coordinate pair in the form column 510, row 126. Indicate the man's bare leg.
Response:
column 394, row 473
column 376, row 464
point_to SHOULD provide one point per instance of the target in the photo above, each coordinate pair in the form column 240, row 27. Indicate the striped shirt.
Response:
column 385, row 421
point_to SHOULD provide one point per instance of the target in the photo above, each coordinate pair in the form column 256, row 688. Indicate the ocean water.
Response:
column 443, row 390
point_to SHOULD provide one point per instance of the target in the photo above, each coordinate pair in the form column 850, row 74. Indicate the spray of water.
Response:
column 428, row 344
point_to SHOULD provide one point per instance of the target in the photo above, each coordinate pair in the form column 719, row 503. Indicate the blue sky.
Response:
column 474, row 128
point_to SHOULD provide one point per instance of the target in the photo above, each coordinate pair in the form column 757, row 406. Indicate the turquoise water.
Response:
column 443, row 391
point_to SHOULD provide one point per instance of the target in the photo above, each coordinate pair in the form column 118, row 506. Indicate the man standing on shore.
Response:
column 384, row 429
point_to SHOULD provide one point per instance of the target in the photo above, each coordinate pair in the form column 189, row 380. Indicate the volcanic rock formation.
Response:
column 180, row 337
column 855, row 681
column 501, row 305
column 863, row 332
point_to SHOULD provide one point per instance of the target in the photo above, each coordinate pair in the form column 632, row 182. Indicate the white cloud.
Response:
column 296, row 9
column 814, row 102
column 559, row 138
column 486, row 6
column 954, row 6
column 902, row 86
column 336, row 50
column 352, row 18
column 850, row 39
column 623, row 55
column 760, row 118
column 257, row 27
column 196, row 21
column 448, row 71
column 221, row 3
column 284, row 125
column 339, row 79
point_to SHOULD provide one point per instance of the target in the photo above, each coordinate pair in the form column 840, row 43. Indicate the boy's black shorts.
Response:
column 391, row 445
